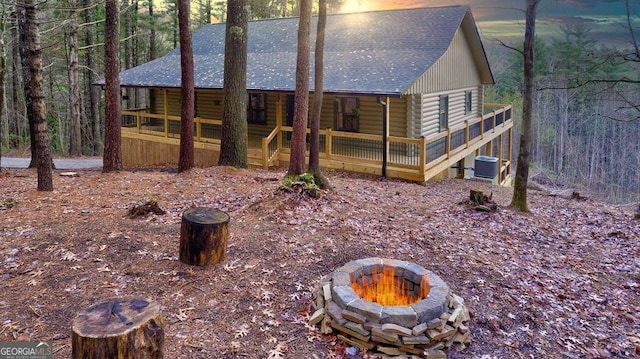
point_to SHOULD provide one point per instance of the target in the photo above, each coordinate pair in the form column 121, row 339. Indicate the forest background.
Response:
column 587, row 114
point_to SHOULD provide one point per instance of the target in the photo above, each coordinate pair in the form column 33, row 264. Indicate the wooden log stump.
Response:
column 476, row 197
column 203, row 236
column 119, row 328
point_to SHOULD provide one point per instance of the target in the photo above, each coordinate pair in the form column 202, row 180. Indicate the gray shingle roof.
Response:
column 381, row 52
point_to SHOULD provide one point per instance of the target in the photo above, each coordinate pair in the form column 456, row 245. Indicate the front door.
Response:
column 291, row 101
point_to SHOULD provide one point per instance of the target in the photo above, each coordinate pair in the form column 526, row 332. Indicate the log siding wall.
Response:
column 209, row 105
column 430, row 109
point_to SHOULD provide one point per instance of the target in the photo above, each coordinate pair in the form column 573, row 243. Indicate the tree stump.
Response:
column 203, row 236
column 476, row 196
column 119, row 328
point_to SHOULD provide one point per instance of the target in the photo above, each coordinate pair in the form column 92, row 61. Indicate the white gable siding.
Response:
column 455, row 69
column 453, row 74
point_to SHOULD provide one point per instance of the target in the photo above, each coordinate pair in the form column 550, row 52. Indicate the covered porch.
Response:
column 152, row 139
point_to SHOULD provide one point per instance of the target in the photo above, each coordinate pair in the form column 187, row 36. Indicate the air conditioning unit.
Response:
column 486, row 167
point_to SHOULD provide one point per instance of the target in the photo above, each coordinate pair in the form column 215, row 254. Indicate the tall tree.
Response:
column 23, row 40
column 152, row 45
column 318, row 96
column 185, row 161
column 4, row 123
column 112, row 157
column 93, row 98
column 36, row 93
column 152, row 32
column 233, row 146
column 519, row 199
column 75, row 135
column 301, row 99
column 128, row 47
column 16, row 122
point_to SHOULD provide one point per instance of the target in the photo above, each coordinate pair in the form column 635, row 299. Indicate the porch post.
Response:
column 466, row 133
column 509, row 144
column 500, row 139
column 165, row 99
column 138, row 121
column 385, row 134
column 387, row 116
column 488, row 148
column 423, row 157
column 279, row 119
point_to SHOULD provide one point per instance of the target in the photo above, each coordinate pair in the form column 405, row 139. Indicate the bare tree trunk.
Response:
column 16, row 121
column 233, row 147
column 75, row 135
column 519, row 199
column 301, row 102
column 185, row 161
column 152, row 47
column 94, row 109
column 174, row 19
column 112, row 157
column 208, row 11
column 3, row 119
column 26, row 77
column 318, row 96
column 152, row 33
column 134, row 93
column 39, row 119
column 126, row 17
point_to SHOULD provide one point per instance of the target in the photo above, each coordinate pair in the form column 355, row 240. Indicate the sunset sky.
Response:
column 504, row 18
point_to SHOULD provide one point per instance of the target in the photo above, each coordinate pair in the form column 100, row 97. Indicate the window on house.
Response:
column 467, row 102
column 444, row 113
column 257, row 109
column 347, row 114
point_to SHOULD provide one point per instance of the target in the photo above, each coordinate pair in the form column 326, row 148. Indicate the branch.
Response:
column 580, row 84
column 633, row 37
column 508, row 46
column 619, row 119
column 90, row 23
column 90, row 69
column 102, row 43
column 91, row 46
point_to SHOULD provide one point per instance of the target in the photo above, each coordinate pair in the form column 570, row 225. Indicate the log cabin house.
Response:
column 403, row 96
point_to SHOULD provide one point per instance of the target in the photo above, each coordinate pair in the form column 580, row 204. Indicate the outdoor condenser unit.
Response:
column 486, row 167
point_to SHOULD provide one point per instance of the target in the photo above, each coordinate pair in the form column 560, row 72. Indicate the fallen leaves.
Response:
column 241, row 332
column 560, row 282
column 69, row 256
column 278, row 351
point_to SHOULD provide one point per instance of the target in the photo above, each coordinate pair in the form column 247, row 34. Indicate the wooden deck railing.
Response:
column 416, row 158
column 206, row 130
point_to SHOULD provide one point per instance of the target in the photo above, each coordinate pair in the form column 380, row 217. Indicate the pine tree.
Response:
column 185, row 161
column 301, row 101
column 233, row 146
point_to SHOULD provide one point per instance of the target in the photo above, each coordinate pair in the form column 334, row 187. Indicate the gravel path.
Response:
column 61, row 163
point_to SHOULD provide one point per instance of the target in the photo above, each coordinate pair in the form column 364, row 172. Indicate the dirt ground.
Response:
column 561, row 282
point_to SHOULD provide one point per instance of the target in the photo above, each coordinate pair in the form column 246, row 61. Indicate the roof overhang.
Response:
column 477, row 49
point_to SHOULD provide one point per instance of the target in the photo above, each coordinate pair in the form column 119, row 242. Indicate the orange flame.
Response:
column 386, row 289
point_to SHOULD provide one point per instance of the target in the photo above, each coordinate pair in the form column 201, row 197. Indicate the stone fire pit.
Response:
column 425, row 327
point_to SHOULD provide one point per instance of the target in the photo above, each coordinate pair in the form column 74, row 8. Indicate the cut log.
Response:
column 119, row 328
column 203, row 236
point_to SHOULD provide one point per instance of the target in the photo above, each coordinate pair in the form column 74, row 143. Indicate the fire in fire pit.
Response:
column 391, row 306
column 386, row 288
